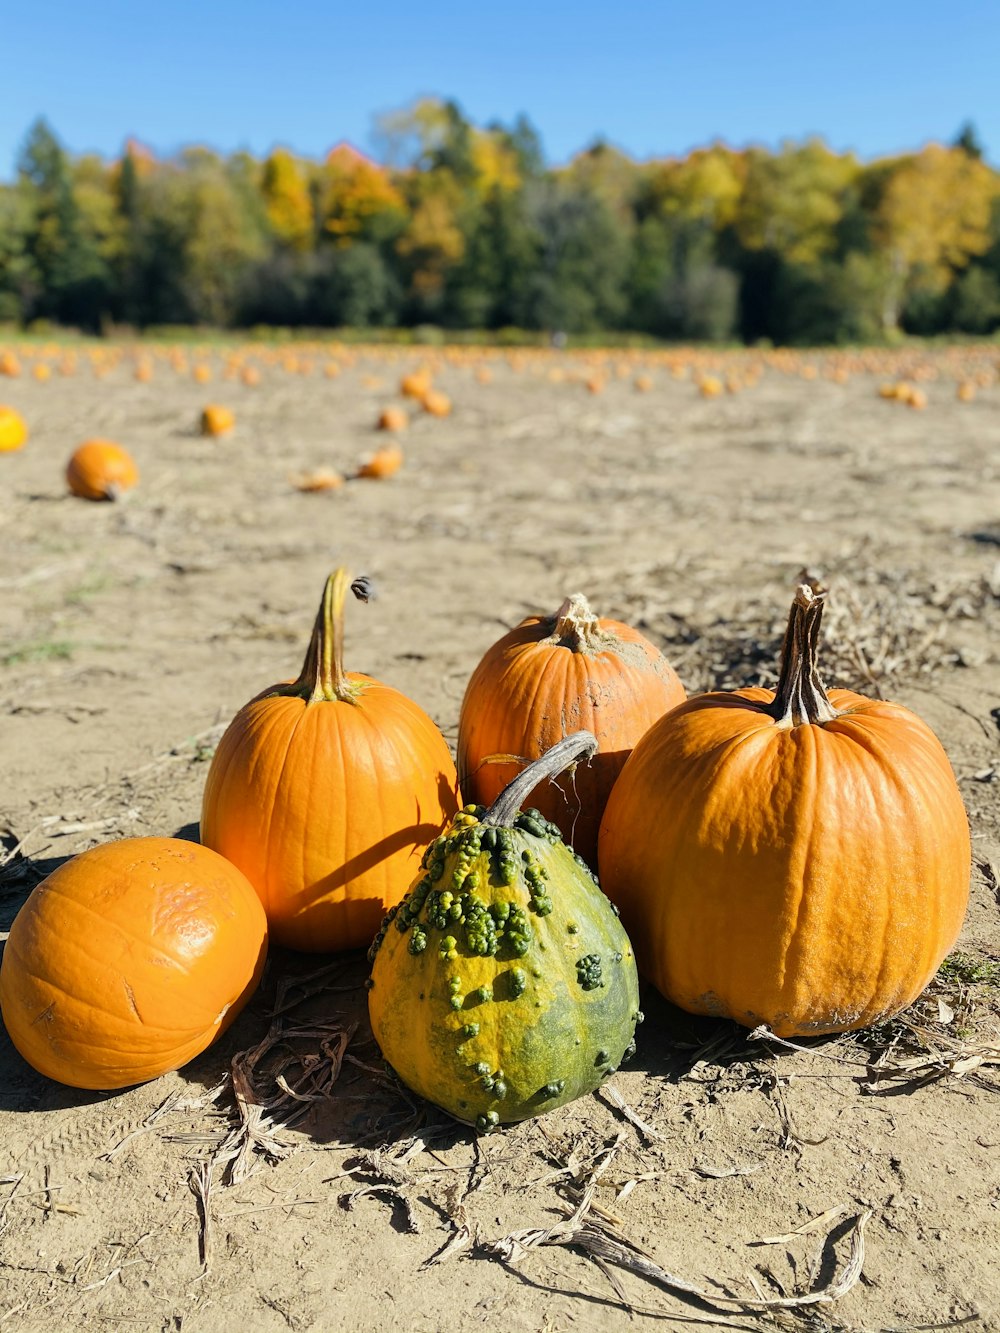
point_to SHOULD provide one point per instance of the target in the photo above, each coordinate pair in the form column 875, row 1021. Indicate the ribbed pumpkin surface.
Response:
column 810, row 876
column 128, row 960
column 327, row 806
column 551, row 676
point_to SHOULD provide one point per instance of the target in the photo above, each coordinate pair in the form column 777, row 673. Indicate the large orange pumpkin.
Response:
column 551, row 676
column 129, row 960
column 101, row 470
column 326, row 791
column 792, row 857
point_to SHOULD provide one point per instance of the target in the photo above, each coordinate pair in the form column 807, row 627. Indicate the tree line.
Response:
column 465, row 227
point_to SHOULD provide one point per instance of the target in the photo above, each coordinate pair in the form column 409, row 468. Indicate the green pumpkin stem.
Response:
column 801, row 695
column 323, row 676
column 580, row 745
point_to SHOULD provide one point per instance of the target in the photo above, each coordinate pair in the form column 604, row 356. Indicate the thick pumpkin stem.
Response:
column 323, row 676
column 576, row 626
column 580, row 745
column 801, row 695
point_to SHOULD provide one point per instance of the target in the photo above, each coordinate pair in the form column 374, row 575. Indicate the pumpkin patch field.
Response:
column 380, row 1053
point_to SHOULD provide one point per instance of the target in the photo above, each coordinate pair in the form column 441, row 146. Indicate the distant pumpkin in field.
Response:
column 216, row 420
column 13, row 430
column 435, row 402
column 393, row 418
column 416, row 384
column 101, row 470
column 382, row 463
column 9, row 365
column 320, row 479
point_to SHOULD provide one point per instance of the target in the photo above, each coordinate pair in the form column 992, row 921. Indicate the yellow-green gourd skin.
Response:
column 504, row 985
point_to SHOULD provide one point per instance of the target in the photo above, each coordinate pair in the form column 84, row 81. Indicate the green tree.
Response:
column 932, row 216
column 18, row 276
column 74, row 278
column 579, row 284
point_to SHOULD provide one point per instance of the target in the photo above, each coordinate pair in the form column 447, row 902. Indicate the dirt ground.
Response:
column 131, row 632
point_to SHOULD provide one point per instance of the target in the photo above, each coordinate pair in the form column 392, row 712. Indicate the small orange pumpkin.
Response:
column 551, row 676
column 393, row 419
column 325, row 792
column 101, row 470
column 384, row 462
column 320, row 479
column 415, row 384
column 216, row 420
column 129, row 960
column 436, row 403
column 13, row 430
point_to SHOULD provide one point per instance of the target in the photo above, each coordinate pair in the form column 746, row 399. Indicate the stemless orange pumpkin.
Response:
column 13, row 431
column 436, row 403
column 551, row 676
column 216, row 420
column 392, row 418
column 129, row 960
column 101, row 470
column 384, row 462
column 789, row 857
column 326, row 791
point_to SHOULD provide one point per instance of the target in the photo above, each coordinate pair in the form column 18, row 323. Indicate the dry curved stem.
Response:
column 323, row 678
column 579, row 745
column 801, row 696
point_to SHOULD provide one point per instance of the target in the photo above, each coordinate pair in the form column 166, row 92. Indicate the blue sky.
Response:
column 653, row 76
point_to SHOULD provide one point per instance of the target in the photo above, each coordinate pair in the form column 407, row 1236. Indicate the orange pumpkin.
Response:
column 415, row 384
column 393, row 418
column 13, row 430
column 326, row 791
column 129, row 960
column 436, row 403
column 216, row 420
column 101, row 470
column 551, row 676
column 320, row 479
column 384, row 462
column 789, row 857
